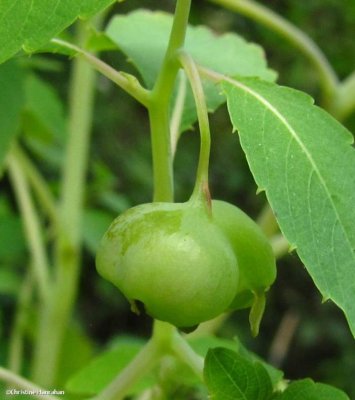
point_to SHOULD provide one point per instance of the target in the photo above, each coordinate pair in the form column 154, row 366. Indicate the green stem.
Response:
column 183, row 351
column 18, row 382
column 263, row 15
column 145, row 360
column 201, row 184
column 210, row 327
column 177, row 113
column 267, row 221
column 32, row 226
column 56, row 316
column 38, row 184
column 161, row 154
column 344, row 101
column 280, row 245
column 164, row 335
column 125, row 81
column 159, row 107
column 21, row 320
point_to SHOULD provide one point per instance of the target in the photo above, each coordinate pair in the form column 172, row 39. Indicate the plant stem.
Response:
column 201, row 184
column 183, row 351
column 165, row 337
column 125, row 81
column 176, row 116
column 267, row 221
column 56, row 316
column 263, row 15
column 21, row 319
column 19, row 382
column 38, row 183
column 159, row 107
column 344, row 100
column 32, row 226
column 145, row 360
column 280, row 245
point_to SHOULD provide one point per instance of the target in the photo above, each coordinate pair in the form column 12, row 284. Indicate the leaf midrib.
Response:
column 293, row 133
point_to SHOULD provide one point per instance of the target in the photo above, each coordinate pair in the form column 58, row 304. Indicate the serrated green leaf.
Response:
column 182, row 373
column 229, row 376
column 143, row 36
column 306, row 389
column 303, row 158
column 29, row 24
column 275, row 374
column 104, row 368
column 11, row 103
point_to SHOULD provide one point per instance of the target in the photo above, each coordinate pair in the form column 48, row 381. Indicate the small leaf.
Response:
column 11, row 103
column 204, row 343
column 306, row 389
column 29, row 24
column 229, row 376
column 303, row 158
column 143, row 36
column 275, row 374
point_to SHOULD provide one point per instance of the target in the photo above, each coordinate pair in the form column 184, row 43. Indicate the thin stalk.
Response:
column 201, row 184
column 38, row 184
column 159, row 107
column 209, row 327
column 184, row 352
column 32, row 226
column 267, row 221
column 178, row 110
column 127, row 82
column 21, row 319
column 143, row 363
column 56, row 316
column 21, row 383
column 280, row 245
column 344, row 101
column 259, row 13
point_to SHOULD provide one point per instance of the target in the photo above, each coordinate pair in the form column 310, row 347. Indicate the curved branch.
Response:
column 127, row 82
column 23, row 384
column 263, row 15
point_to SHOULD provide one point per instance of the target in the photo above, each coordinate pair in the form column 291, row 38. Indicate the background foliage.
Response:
column 321, row 346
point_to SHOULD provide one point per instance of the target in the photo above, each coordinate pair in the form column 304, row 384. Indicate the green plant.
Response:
column 171, row 258
column 298, row 154
column 255, row 257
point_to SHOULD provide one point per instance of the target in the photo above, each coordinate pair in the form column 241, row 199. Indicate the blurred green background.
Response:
column 321, row 346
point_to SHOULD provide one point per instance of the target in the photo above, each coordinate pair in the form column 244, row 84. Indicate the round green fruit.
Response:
column 255, row 258
column 172, row 258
